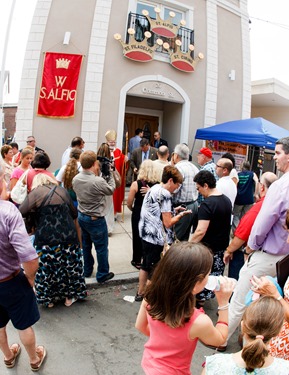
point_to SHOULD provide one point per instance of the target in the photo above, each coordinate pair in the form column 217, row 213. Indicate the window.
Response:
column 140, row 24
column 164, row 11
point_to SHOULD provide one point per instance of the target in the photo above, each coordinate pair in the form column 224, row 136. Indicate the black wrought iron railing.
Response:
column 140, row 24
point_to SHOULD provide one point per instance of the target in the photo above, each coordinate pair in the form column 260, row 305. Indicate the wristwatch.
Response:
column 244, row 251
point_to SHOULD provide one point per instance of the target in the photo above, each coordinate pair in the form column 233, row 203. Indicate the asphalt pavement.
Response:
column 97, row 336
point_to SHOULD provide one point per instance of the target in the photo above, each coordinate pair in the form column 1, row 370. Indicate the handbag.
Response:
column 282, row 270
column 19, row 192
column 117, row 178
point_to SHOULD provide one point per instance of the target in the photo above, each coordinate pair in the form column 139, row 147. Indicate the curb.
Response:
column 131, row 277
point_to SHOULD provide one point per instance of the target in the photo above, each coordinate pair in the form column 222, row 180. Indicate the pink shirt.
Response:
column 169, row 350
column 17, row 173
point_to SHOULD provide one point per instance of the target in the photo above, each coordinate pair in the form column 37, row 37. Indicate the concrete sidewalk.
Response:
column 120, row 250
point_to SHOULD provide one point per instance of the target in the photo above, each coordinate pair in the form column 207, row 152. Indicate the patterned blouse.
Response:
column 156, row 201
column 279, row 345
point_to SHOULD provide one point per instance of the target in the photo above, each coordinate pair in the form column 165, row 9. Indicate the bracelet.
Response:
column 220, row 322
column 225, row 307
column 279, row 298
column 229, row 252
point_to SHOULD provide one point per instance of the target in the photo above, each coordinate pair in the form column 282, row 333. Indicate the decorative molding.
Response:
column 212, row 64
column 27, row 94
column 93, row 81
column 246, row 103
column 184, row 136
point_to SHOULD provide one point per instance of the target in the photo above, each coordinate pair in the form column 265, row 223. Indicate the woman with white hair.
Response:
column 60, row 274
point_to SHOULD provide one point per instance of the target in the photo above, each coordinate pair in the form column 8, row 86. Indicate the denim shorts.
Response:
column 18, row 303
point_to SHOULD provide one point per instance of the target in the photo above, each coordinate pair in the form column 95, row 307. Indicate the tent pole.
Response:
column 193, row 147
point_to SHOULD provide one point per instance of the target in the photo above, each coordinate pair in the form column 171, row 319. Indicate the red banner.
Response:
column 59, row 82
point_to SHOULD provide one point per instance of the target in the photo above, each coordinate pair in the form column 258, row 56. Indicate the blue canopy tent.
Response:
column 253, row 131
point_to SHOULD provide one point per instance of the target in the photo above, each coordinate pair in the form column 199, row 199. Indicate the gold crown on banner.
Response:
column 62, row 63
column 161, row 27
column 138, row 51
column 183, row 60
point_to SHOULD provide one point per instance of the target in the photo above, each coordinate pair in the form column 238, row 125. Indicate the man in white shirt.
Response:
column 225, row 184
column 77, row 142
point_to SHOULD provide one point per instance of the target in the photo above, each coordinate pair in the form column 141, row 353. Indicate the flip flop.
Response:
column 16, row 351
column 71, row 302
column 41, row 354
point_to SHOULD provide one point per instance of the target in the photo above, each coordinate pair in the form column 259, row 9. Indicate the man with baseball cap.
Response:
column 205, row 160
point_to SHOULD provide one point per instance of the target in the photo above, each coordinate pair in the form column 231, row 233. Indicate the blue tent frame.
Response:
column 253, row 131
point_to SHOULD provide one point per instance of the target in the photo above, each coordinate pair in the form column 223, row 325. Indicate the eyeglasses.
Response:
column 219, row 166
column 29, row 141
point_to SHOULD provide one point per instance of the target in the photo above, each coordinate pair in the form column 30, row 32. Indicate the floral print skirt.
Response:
column 60, row 274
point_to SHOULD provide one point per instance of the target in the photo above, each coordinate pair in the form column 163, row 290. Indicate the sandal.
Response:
column 16, row 350
column 41, row 354
column 69, row 301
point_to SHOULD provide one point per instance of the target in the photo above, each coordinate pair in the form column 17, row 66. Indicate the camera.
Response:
column 105, row 165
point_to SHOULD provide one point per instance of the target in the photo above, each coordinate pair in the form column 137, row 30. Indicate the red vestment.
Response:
column 118, row 195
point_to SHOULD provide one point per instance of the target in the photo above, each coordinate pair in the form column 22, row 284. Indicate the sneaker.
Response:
column 105, row 278
column 138, row 297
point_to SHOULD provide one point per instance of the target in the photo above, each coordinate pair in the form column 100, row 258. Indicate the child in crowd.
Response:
column 168, row 314
column 262, row 320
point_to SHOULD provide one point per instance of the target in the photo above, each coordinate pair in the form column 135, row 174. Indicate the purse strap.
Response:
column 48, row 196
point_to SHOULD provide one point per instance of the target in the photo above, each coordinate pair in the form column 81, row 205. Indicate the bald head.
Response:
column 163, row 153
column 267, row 179
column 224, row 167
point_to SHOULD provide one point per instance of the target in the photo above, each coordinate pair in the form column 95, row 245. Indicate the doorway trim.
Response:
column 184, row 136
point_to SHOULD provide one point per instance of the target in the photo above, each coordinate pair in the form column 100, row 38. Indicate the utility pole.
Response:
column 2, row 76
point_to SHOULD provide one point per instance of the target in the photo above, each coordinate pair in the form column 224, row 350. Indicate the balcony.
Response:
column 140, row 24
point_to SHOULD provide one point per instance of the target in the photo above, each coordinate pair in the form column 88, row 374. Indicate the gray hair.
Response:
column 182, row 151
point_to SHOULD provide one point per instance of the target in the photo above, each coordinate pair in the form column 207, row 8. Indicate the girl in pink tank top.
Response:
column 168, row 315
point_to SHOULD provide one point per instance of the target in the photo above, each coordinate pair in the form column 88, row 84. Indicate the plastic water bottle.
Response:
column 214, row 283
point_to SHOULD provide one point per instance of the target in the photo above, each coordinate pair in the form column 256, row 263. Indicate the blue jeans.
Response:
column 236, row 264
column 94, row 232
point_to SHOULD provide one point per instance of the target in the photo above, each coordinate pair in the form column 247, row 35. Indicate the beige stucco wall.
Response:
column 277, row 115
column 230, row 58
column 202, row 98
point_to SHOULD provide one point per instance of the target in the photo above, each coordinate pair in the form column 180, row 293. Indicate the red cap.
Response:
column 206, row 151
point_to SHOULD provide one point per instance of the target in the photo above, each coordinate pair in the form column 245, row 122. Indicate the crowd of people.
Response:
column 188, row 221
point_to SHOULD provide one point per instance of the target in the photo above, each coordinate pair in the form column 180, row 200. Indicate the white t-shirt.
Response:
column 59, row 176
column 234, row 174
column 227, row 186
